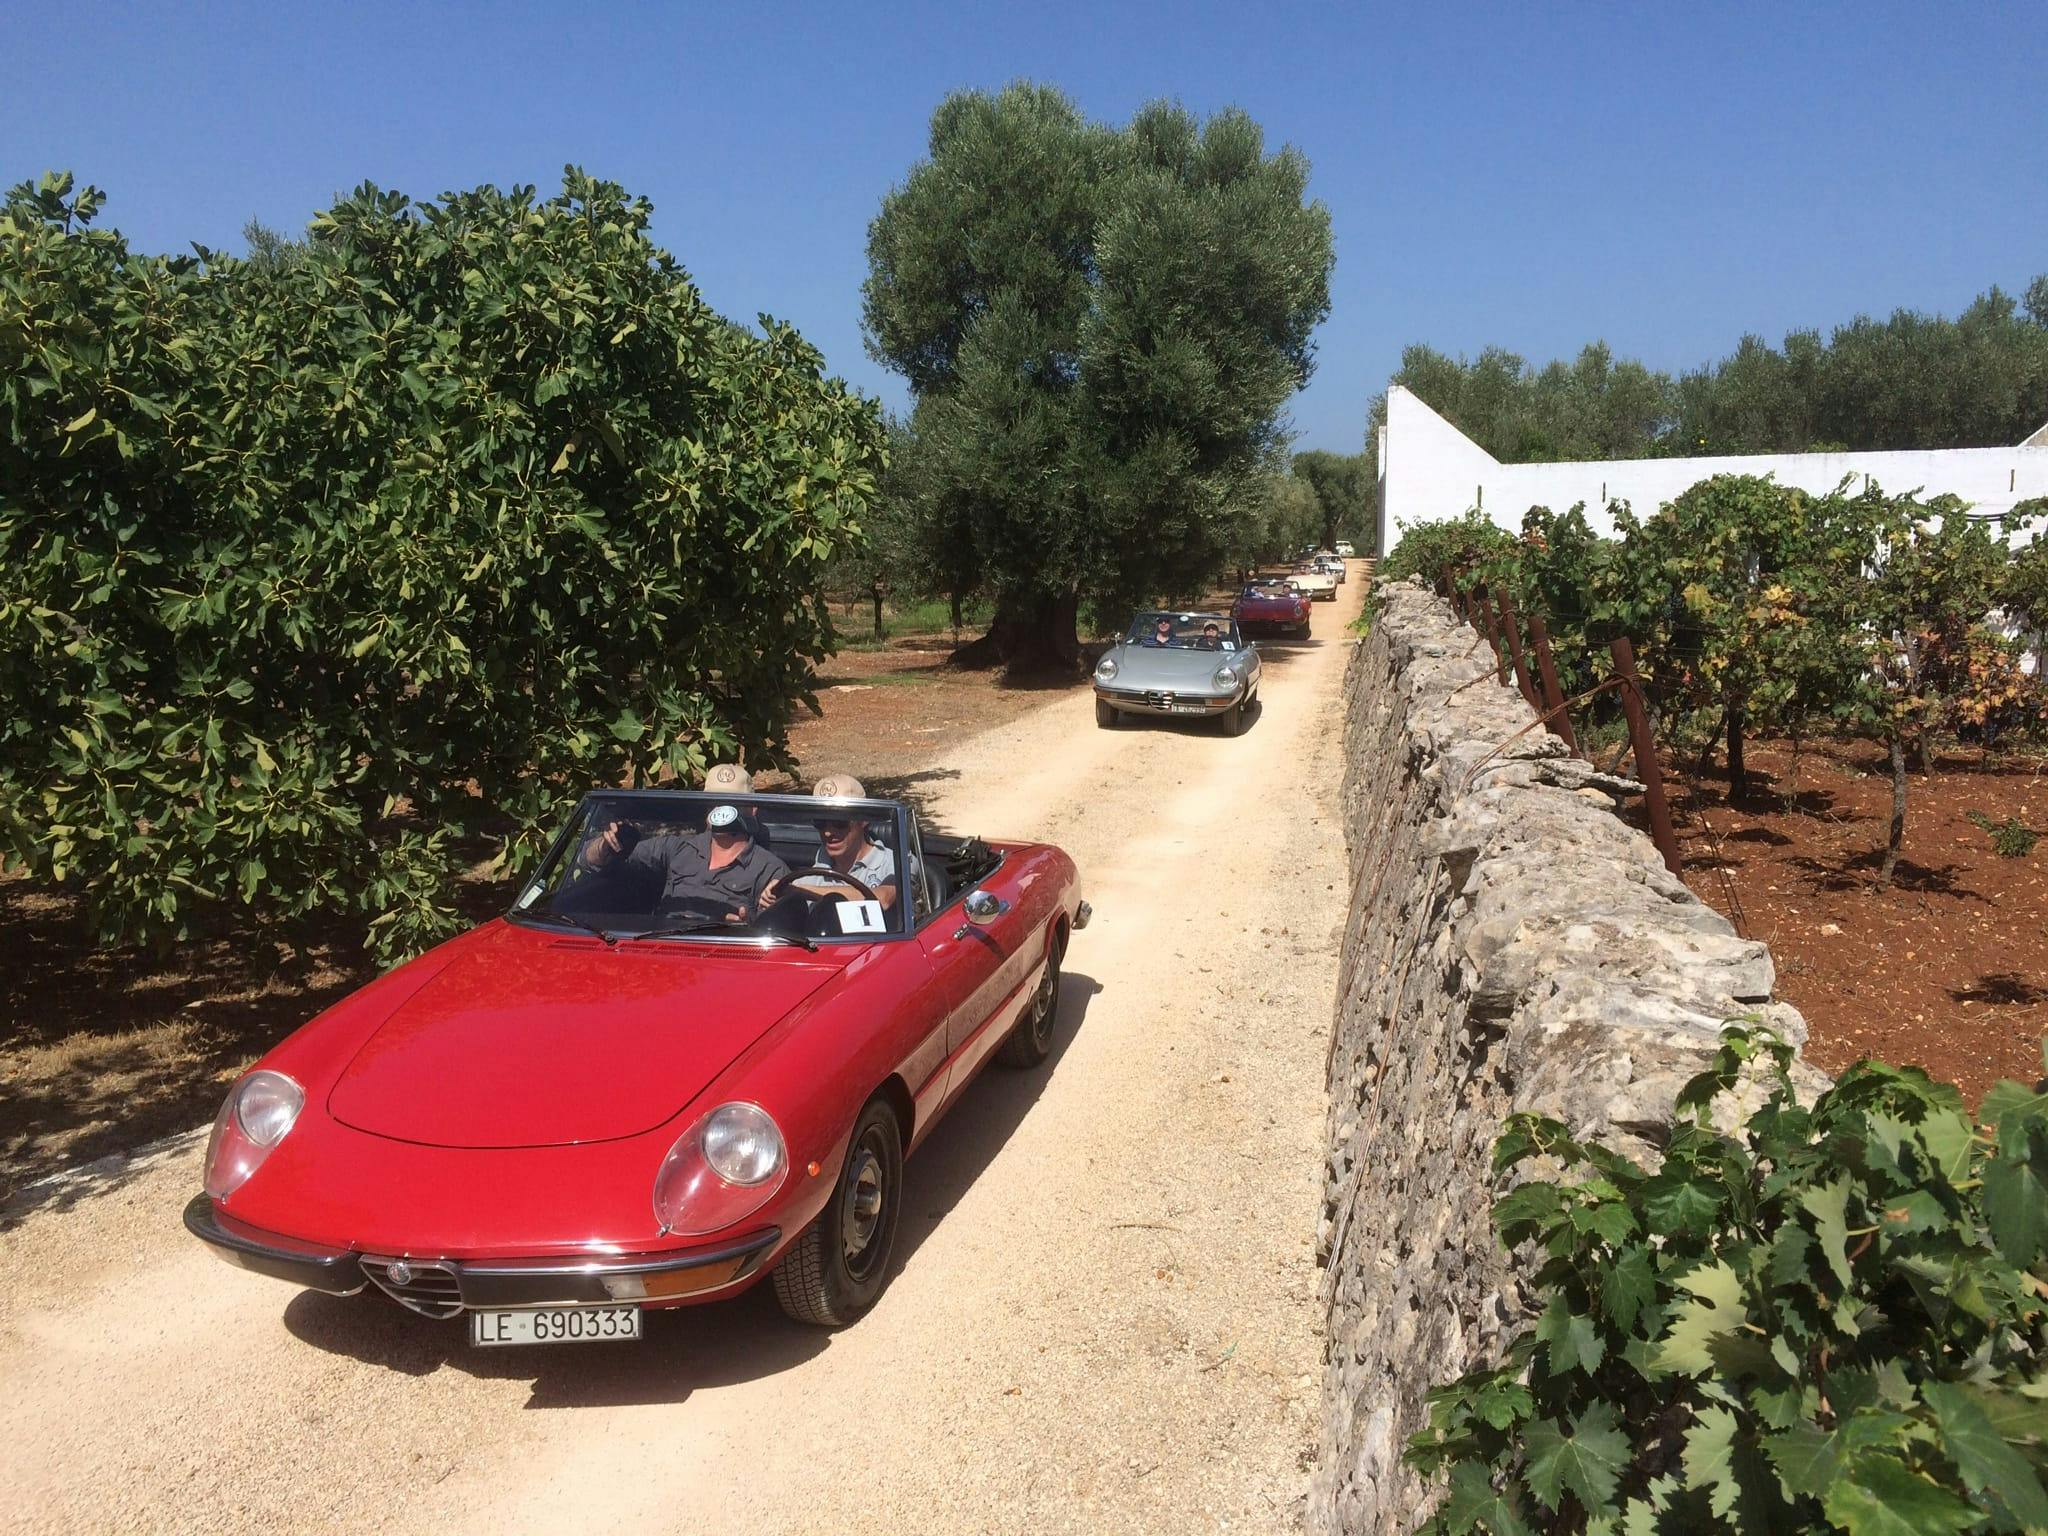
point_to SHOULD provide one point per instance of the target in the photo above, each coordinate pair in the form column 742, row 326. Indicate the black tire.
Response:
column 1030, row 1042
column 1232, row 719
column 1301, row 630
column 1105, row 715
column 819, row 1281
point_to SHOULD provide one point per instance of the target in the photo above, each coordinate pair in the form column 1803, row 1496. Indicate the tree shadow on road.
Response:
column 691, row 1349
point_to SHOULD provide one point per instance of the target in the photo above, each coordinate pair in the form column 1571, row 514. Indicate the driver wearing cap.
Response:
column 719, row 872
column 845, row 847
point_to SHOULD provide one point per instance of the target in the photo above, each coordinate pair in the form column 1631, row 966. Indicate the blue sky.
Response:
column 1666, row 177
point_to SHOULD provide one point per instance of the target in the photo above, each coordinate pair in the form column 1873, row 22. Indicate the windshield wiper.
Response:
column 718, row 925
column 568, row 917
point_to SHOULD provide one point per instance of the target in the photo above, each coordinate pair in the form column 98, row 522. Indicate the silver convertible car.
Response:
column 1179, row 664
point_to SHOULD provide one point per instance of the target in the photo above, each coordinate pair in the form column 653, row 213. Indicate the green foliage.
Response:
column 1099, row 326
column 315, row 573
column 1825, row 1319
column 1347, row 491
column 1912, row 381
column 2010, row 838
column 1461, row 545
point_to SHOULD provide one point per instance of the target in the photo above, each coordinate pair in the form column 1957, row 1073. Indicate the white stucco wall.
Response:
column 1429, row 471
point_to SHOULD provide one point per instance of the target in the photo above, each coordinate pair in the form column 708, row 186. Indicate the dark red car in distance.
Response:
column 650, row 1082
column 1272, row 603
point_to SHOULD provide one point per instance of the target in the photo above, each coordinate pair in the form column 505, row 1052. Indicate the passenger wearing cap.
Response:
column 720, row 872
column 845, row 847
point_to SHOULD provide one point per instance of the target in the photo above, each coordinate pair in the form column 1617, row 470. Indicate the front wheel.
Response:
column 836, row 1270
column 1030, row 1042
column 1105, row 715
column 1233, row 718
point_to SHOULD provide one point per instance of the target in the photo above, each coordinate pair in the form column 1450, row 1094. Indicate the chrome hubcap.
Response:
column 863, row 1210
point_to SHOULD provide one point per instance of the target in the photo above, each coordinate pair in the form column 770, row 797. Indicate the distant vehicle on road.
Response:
column 1186, row 665
column 1318, row 583
column 649, row 1083
column 1272, row 602
column 1335, row 567
column 1345, row 551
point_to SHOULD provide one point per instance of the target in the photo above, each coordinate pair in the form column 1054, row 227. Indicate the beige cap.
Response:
column 839, row 786
column 729, row 778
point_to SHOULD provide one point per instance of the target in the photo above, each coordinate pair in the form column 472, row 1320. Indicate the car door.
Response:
column 983, row 968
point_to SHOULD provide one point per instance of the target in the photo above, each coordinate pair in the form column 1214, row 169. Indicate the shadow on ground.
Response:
column 692, row 1349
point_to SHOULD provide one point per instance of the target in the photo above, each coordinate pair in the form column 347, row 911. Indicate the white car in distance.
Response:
column 1315, row 580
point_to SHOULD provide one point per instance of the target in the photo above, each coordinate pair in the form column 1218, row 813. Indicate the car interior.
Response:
column 626, row 894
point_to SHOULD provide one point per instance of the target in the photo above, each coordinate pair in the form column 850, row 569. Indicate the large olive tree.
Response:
column 1099, row 326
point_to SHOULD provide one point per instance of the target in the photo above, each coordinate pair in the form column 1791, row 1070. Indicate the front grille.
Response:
column 432, row 1290
column 1158, row 700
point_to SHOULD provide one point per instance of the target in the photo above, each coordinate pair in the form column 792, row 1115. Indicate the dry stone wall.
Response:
column 1513, row 944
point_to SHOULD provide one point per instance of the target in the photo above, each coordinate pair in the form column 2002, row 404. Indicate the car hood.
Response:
column 1145, row 666
column 530, row 1039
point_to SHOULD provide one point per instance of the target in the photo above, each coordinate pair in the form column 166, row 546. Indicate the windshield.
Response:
column 1185, row 631
column 675, row 864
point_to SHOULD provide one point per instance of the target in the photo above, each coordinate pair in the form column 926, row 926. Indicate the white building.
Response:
column 1430, row 471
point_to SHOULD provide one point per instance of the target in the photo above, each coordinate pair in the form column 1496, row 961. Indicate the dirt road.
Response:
column 1103, row 1317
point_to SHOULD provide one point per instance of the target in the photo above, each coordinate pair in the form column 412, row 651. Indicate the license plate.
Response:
column 555, row 1325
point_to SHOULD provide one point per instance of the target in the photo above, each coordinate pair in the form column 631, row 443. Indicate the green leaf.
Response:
column 1879, row 1496
column 2007, row 1099
column 1988, row 1464
column 1677, row 1204
column 1626, row 1286
column 1574, row 1343
column 80, row 423
column 1587, row 1463
column 2016, row 1193
column 1716, row 1309
column 1472, row 1505
column 629, row 726
column 1828, row 1205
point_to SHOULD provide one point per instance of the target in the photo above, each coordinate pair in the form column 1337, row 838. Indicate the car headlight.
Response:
column 721, row 1170
column 1106, row 668
column 1226, row 677
column 259, row 1113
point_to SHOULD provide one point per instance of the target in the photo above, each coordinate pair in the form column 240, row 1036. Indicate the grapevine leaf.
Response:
column 2016, row 1194
column 1586, row 1463
column 1880, row 1496
column 1708, row 1458
column 1678, row 1204
column 2007, row 1099
column 1828, row 1205
column 1626, row 1285
column 1987, row 1463
column 1715, row 1309
column 1472, row 1505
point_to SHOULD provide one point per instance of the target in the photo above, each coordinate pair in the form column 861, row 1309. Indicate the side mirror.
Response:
column 984, row 906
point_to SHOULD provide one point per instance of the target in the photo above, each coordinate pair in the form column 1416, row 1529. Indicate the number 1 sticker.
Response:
column 860, row 917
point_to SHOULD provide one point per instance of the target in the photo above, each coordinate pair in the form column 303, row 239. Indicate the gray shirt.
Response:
column 690, row 881
column 875, row 868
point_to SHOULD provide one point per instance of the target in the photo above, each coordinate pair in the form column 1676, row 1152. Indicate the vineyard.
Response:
column 1826, row 1317
column 1755, row 610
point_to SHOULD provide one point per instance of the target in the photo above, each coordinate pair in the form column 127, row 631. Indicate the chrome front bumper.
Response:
column 1159, row 701
column 437, row 1287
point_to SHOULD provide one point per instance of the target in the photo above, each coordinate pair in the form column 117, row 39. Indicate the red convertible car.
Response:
column 1273, row 602
column 694, row 1052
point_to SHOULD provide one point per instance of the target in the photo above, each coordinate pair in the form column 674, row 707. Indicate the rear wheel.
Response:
column 1105, row 715
column 836, row 1270
column 1031, row 1041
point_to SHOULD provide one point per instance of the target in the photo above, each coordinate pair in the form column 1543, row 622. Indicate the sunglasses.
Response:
column 836, row 828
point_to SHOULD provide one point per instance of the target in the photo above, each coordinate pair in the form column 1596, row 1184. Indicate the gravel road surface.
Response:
column 1104, row 1314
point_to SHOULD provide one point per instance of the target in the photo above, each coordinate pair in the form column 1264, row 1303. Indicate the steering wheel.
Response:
column 827, row 885
column 819, row 888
